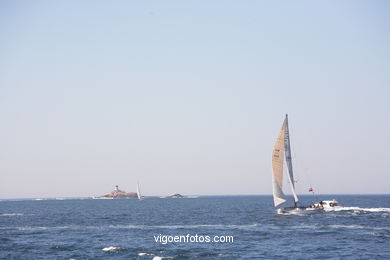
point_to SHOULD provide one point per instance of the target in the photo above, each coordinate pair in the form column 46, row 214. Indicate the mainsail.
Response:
column 138, row 192
column 277, row 168
column 281, row 148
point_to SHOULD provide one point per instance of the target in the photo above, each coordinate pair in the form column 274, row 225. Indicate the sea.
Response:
column 246, row 227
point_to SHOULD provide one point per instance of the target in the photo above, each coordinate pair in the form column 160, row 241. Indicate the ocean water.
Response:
column 126, row 229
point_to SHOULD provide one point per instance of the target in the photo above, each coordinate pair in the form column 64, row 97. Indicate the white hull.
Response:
column 324, row 205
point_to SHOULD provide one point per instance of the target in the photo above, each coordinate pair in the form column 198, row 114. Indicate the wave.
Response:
column 34, row 228
column 11, row 214
column 162, row 257
column 112, row 248
column 258, row 227
column 358, row 227
column 293, row 212
column 141, row 227
column 155, row 256
column 326, row 227
column 183, row 226
column 355, row 211
column 144, row 254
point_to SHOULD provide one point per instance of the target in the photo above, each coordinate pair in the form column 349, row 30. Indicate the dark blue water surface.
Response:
column 82, row 228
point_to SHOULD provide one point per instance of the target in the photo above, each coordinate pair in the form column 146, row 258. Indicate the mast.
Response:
column 287, row 149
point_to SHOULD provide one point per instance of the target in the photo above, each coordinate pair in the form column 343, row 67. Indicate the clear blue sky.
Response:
column 189, row 96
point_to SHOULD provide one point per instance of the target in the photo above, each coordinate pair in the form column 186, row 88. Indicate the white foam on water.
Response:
column 205, row 226
column 144, row 254
column 162, row 257
column 31, row 228
column 190, row 226
column 335, row 226
column 338, row 226
column 11, row 214
column 141, row 227
column 356, row 212
column 292, row 212
column 182, row 226
column 112, row 248
column 34, row 228
column 127, row 226
column 346, row 226
column 359, row 227
column 355, row 209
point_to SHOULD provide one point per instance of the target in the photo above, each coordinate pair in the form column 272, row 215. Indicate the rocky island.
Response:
column 118, row 194
column 175, row 195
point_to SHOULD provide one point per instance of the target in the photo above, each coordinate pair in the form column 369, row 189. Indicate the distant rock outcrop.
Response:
column 175, row 195
column 118, row 194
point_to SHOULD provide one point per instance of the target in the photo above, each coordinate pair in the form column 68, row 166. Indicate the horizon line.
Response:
column 191, row 195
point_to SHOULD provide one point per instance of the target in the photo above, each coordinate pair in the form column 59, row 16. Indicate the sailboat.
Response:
column 139, row 192
column 281, row 152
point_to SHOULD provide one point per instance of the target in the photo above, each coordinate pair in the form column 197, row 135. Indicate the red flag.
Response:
column 310, row 189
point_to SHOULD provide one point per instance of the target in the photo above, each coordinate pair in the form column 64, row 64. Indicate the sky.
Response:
column 189, row 96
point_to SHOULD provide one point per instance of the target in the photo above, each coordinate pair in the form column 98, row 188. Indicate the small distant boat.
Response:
column 139, row 192
column 282, row 150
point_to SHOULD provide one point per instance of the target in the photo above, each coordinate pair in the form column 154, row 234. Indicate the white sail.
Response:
column 277, row 167
column 138, row 192
column 287, row 151
column 282, row 150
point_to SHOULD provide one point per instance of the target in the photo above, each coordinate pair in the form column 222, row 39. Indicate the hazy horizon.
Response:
column 189, row 97
column 191, row 196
